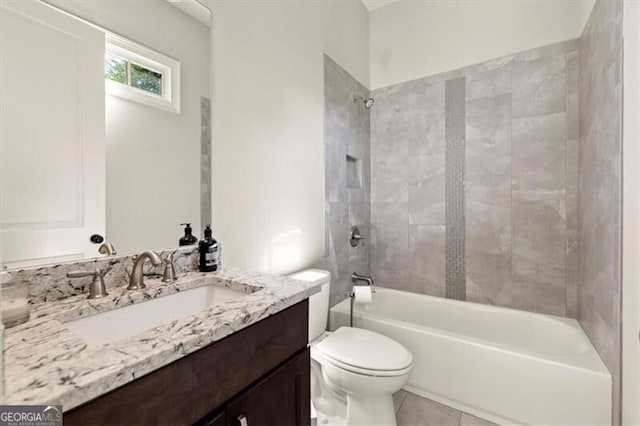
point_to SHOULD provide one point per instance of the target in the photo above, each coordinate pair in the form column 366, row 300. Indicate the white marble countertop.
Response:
column 45, row 363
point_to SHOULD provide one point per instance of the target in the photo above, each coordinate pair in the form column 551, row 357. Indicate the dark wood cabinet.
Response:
column 282, row 398
column 261, row 372
column 217, row 419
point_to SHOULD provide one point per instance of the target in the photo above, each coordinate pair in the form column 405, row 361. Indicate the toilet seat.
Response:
column 322, row 359
column 364, row 352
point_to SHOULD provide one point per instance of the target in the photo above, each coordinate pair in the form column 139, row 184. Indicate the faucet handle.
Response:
column 355, row 237
column 81, row 274
column 169, row 274
column 97, row 288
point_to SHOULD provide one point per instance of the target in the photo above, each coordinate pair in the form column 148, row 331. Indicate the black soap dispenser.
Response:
column 208, row 248
column 188, row 239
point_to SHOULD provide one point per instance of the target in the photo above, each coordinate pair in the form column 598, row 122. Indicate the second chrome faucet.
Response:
column 355, row 277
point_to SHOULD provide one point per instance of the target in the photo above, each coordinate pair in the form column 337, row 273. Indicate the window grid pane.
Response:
column 145, row 79
column 116, row 68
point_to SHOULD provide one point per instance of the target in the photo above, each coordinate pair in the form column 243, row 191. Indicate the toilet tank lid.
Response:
column 315, row 276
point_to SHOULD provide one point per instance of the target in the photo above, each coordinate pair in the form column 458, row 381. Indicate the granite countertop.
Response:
column 45, row 363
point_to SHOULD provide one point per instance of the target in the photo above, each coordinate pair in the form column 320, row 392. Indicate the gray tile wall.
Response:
column 205, row 162
column 521, row 120
column 347, row 199
column 455, row 270
column 600, row 94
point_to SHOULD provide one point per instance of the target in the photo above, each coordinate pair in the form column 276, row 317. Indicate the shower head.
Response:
column 368, row 102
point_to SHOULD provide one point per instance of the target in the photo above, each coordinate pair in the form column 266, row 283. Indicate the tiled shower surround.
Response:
column 347, row 177
column 539, row 164
column 519, row 181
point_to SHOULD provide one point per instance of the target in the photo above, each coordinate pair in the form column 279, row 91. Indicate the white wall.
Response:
column 630, row 217
column 347, row 37
column 586, row 6
column 410, row 40
column 268, row 165
column 153, row 156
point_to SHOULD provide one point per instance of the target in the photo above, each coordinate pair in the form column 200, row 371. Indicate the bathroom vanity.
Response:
column 239, row 358
column 260, row 374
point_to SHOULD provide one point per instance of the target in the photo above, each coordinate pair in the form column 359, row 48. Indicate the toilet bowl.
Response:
column 365, row 367
column 354, row 372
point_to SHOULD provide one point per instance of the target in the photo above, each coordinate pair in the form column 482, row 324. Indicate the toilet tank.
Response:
column 319, row 302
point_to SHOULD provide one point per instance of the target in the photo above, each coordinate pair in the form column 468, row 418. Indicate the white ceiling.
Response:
column 372, row 5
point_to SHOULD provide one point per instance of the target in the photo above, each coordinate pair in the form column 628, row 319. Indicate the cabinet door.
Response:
column 282, row 398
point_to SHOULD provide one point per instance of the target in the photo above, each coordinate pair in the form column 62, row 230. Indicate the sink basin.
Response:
column 121, row 323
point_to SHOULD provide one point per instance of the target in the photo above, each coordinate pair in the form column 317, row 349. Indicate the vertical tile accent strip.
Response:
column 454, row 188
column 205, row 161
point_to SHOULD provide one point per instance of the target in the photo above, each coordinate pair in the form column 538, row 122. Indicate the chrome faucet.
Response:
column 137, row 277
column 108, row 249
column 355, row 277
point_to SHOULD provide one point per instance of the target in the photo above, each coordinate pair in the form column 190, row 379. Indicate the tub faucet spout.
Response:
column 355, row 277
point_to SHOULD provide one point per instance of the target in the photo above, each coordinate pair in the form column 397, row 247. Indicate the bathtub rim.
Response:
column 587, row 361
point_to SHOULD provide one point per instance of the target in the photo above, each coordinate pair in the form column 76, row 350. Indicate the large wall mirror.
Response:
column 105, row 127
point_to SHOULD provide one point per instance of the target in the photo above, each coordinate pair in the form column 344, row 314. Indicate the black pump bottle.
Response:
column 208, row 248
column 188, row 239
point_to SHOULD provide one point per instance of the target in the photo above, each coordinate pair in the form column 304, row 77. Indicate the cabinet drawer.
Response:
column 191, row 387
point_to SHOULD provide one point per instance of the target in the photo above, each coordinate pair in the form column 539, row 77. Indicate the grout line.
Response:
column 402, row 401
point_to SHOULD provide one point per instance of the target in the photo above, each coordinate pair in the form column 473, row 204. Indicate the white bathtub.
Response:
column 500, row 364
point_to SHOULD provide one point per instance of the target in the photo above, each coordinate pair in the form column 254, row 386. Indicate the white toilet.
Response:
column 354, row 372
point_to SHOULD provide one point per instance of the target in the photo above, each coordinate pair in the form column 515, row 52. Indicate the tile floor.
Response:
column 413, row 410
